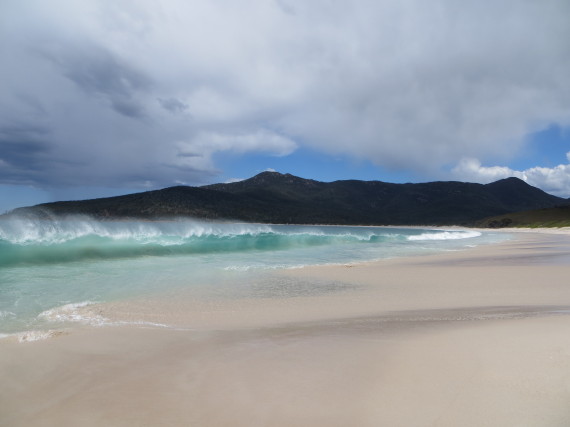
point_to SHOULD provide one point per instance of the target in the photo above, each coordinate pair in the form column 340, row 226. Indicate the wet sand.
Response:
column 470, row 338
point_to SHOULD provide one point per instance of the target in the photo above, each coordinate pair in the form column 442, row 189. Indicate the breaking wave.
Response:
column 32, row 241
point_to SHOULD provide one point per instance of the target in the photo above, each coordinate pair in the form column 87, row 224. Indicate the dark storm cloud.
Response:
column 22, row 146
column 173, row 105
column 98, row 72
column 27, row 156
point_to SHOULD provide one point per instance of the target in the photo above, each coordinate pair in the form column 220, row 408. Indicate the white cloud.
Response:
column 232, row 180
column 260, row 140
column 470, row 169
column 197, row 153
column 554, row 180
column 137, row 92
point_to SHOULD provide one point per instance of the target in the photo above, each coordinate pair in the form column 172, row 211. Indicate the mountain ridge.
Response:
column 272, row 197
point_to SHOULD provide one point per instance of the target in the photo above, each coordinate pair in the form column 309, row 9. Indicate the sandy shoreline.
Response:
column 476, row 337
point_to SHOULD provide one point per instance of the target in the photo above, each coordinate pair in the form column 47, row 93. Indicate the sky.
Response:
column 100, row 98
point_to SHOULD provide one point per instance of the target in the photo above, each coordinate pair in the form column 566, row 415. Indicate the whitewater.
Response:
column 52, row 270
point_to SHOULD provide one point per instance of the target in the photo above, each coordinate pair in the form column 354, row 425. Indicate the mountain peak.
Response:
column 272, row 172
column 511, row 179
column 268, row 174
column 272, row 177
column 511, row 182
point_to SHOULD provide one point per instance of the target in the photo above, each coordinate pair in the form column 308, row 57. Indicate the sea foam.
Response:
column 73, row 313
column 31, row 336
column 6, row 314
column 445, row 235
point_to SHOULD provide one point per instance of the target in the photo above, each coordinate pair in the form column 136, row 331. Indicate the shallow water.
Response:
column 50, row 269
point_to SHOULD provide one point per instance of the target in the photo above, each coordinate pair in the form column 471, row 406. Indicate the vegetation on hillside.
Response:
column 558, row 216
column 271, row 197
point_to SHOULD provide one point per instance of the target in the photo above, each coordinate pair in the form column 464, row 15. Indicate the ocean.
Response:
column 49, row 270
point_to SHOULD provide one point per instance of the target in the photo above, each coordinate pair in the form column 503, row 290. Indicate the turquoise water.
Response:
column 46, row 265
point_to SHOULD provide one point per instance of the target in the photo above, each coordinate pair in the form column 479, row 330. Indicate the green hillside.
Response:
column 558, row 216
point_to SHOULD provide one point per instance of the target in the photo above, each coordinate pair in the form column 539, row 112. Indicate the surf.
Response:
column 31, row 242
column 50, row 270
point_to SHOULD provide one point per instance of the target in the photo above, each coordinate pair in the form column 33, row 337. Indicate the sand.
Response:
column 471, row 338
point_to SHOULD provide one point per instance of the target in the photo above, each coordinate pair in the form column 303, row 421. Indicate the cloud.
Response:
column 97, row 72
column 232, row 180
column 260, row 140
column 144, row 94
column 173, row 105
column 198, row 151
column 23, row 146
column 554, row 180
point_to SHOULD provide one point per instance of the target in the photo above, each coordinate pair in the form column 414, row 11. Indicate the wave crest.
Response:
column 26, row 231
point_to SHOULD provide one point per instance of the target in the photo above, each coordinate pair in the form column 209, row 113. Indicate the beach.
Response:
column 461, row 338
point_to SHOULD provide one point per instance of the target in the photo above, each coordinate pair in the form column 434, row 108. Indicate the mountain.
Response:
column 272, row 197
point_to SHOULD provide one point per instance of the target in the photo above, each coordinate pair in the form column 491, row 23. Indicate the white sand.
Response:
column 471, row 338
